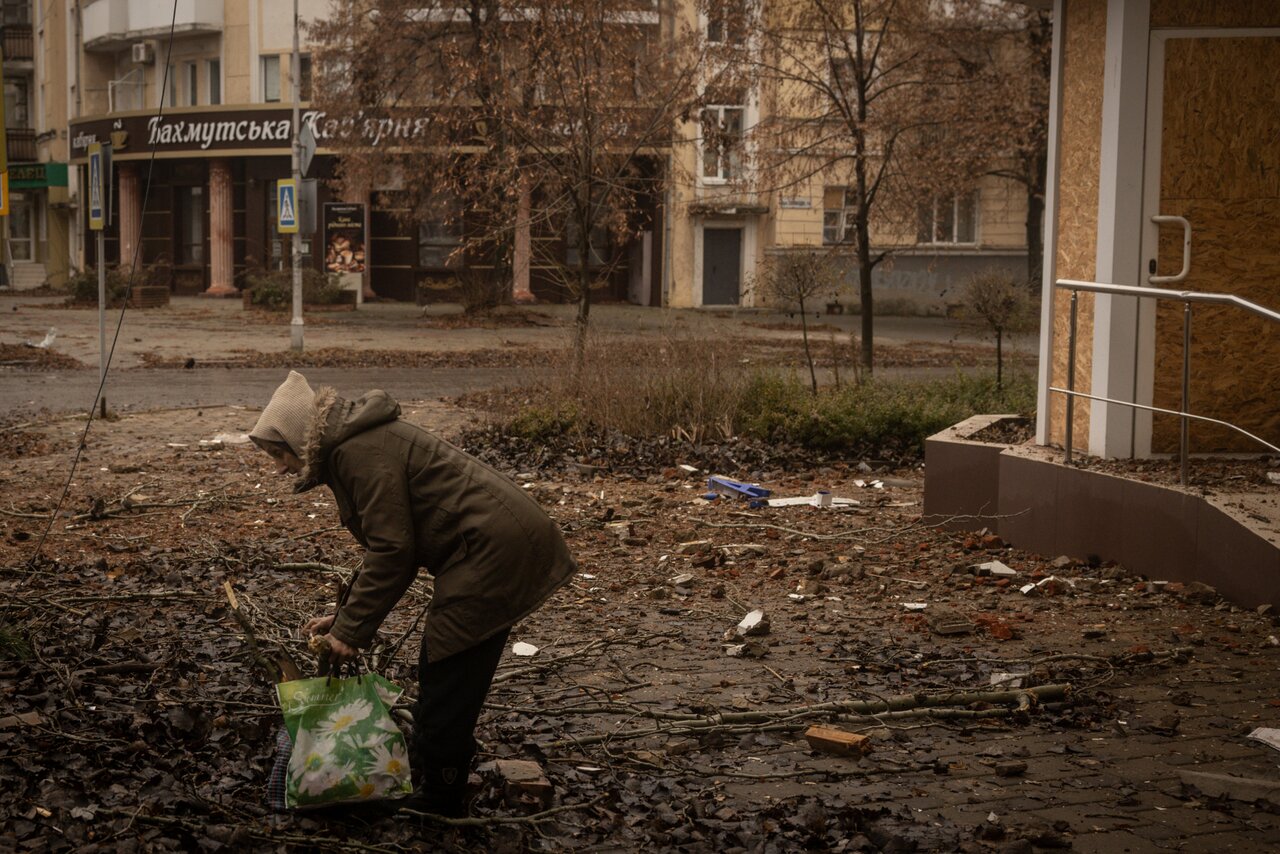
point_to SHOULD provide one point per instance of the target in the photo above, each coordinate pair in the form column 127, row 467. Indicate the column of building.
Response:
column 221, row 230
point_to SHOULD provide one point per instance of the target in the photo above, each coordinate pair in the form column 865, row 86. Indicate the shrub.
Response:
column 999, row 304
column 83, row 285
column 892, row 415
column 481, row 290
column 274, row 288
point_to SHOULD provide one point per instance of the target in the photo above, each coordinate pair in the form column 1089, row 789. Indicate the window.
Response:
column 726, row 21
column 190, row 90
column 190, row 225
column 304, row 77
column 17, row 101
column 949, row 219
column 440, row 235
column 598, row 244
column 837, row 216
column 842, row 79
column 171, row 84
column 270, row 79
column 721, row 142
column 213, row 71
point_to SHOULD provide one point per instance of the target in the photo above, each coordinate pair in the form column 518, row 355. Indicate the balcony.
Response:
column 18, row 43
column 21, row 144
column 113, row 24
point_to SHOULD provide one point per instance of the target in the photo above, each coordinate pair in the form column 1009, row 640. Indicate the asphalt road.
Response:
column 29, row 393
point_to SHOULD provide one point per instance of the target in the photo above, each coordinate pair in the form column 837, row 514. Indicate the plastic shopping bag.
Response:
column 346, row 747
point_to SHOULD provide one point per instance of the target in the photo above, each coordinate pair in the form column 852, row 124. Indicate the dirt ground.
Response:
column 1092, row 715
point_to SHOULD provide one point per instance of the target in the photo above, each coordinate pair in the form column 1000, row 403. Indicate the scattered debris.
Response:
column 46, row 342
column 523, row 649
column 753, row 625
column 995, row 569
column 1267, row 735
column 753, row 493
column 750, row 649
column 837, row 742
column 915, row 606
column 522, row 778
column 818, row 499
column 1012, row 768
column 1246, row 789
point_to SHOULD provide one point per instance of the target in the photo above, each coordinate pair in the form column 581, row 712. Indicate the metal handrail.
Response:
column 1186, row 298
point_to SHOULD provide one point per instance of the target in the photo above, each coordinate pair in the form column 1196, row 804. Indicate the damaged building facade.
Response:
column 201, row 136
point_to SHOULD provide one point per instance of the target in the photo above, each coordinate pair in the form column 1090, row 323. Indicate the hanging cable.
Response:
column 133, row 271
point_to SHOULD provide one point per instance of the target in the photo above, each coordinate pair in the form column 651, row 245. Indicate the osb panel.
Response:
column 1220, row 147
column 1222, row 114
column 1084, row 55
column 1235, row 356
column 1215, row 13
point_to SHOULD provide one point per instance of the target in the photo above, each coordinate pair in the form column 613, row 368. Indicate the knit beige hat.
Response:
column 288, row 415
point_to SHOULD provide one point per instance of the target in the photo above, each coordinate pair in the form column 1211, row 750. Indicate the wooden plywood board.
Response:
column 1084, row 55
column 1219, row 154
column 1215, row 13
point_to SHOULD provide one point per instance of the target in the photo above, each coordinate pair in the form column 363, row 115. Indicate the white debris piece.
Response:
column 47, row 342
column 232, row 438
column 524, row 649
column 915, row 606
column 994, row 568
column 688, row 469
column 1007, row 680
column 1267, row 735
column 1274, row 477
column 755, row 623
column 818, row 499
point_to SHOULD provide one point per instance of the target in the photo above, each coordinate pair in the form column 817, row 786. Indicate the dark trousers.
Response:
column 450, row 694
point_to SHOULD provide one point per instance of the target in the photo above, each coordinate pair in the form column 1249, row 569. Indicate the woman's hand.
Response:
column 339, row 652
column 318, row 626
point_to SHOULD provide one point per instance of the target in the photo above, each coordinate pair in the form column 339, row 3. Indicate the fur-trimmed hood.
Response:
column 337, row 419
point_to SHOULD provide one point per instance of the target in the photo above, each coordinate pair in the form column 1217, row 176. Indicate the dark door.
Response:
column 721, row 265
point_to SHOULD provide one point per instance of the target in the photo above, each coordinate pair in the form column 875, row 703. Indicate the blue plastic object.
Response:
column 753, row 493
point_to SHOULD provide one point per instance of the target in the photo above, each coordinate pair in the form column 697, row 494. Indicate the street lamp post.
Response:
column 295, row 326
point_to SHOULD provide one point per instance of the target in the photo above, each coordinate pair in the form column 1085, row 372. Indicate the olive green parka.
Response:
column 415, row 501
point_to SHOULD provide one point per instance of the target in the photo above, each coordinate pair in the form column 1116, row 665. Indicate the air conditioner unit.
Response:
column 143, row 54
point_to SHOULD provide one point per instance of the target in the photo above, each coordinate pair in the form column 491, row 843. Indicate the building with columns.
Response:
column 200, row 131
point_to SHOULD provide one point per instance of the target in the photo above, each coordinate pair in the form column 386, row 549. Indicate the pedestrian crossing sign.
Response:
column 287, row 206
column 97, row 213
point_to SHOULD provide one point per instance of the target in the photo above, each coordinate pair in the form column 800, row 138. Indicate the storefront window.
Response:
column 190, row 225
column 21, row 223
column 439, row 235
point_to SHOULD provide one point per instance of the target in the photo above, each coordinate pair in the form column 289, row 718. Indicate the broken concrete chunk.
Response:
column 524, row 649
column 694, row 547
column 995, row 569
column 521, row 777
column 1012, row 768
column 684, row 579
column 1273, row 477
column 753, row 625
column 750, row 649
column 837, row 742
column 1267, row 735
column 915, row 606
column 1247, row 789
column 949, row 623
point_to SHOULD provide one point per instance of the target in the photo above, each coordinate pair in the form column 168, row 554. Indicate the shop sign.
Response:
column 344, row 238
column 30, row 176
column 241, row 130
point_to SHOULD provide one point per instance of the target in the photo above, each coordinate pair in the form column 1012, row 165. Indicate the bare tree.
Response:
column 865, row 94
column 793, row 279
column 548, row 118
column 999, row 303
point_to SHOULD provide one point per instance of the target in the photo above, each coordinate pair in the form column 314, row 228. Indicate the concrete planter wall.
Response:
column 962, row 478
column 1037, row 503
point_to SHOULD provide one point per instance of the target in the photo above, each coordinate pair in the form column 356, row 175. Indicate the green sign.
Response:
column 29, row 176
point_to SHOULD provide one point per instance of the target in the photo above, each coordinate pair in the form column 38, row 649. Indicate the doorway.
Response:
column 1213, row 139
column 721, row 266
